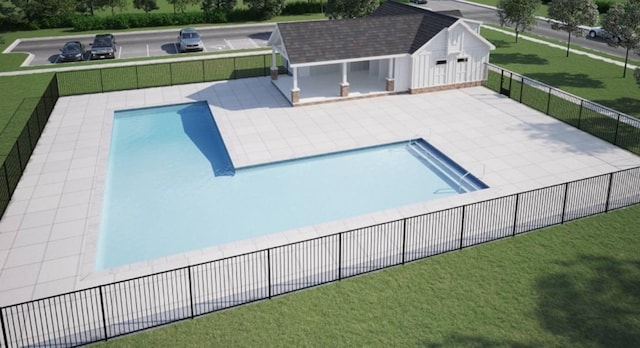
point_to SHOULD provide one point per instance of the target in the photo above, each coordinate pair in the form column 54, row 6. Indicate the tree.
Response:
column 210, row 6
column 622, row 25
column 145, row 5
column 37, row 11
column 518, row 13
column 121, row 4
column 181, row 5
column 636, row 74
column 571, row 14
column 337, row 9
column 266, row 9
column 10, row 14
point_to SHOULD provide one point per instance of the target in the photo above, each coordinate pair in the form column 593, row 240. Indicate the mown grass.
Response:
column 574, row 285
column 588, row 78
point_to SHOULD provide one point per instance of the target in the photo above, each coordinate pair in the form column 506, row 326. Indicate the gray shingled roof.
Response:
column 392, row 29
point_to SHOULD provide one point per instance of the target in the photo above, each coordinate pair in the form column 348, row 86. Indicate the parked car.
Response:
column 601, row 33
column 189, row 40
column 103, row 46
column 72, row 51
column 419, row 1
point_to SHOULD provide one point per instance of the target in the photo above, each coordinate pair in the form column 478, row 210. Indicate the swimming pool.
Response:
column 169, row 191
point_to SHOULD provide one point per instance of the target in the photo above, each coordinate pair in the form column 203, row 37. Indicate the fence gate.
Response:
column 505, row 83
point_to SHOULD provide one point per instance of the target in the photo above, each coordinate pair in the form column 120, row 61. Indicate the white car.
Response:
column 189, row 40
column 599, row 32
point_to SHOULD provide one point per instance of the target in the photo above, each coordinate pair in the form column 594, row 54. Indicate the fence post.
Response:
column 606, row 207
column 29, row 130
column 564, row 202
column 191, row 293
column 340, row 256
column 4, row 331
column 269, row 270
column 510, row 81
column 235, row 69
column 6, row 178
column 580, row 112
column 548, row 100
column 137, row 79
column 404, row 238
column 101, row 82
column 104, row 317
column 615, row 138
column 170, row 75
column 203, row 74
column 19, row 157
column 515, row 215
column 464, row 207
column 521, row 88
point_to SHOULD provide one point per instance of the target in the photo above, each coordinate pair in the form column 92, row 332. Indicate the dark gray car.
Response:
column 103, row 46
column 72, row 51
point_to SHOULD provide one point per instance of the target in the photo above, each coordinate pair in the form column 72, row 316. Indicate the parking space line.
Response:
column 254, row 43
column 148, row 50
column 228, row 43
column 176, row 47
column 120, row 52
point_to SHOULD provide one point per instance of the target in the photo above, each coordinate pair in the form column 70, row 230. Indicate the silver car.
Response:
column 189, row 40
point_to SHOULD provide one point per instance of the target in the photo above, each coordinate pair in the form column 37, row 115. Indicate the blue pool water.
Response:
column 170, row 189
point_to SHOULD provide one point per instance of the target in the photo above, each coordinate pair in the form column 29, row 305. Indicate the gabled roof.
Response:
column 392, row 29
column 317, row 41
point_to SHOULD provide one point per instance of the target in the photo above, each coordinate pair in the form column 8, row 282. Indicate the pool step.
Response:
column 459, row 179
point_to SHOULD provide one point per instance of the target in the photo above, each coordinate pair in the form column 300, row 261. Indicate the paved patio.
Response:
column 49, row 233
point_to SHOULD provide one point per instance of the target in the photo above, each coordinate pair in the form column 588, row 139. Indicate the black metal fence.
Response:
column 120, row 78
column 128, row 306
column 598, row 120
column 119, row 308
column 27, row 122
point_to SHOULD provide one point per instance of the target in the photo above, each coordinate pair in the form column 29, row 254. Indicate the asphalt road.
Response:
column 162, row 42
column 543, row 28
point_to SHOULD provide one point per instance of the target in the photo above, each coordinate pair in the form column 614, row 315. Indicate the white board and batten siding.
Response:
column 453, row 56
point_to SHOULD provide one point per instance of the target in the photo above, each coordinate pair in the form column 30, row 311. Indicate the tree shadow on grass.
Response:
column 594, row 301
column 501, row 43
column 457, row 340
column 562, row 79
column 517, row 58
column 626, row 105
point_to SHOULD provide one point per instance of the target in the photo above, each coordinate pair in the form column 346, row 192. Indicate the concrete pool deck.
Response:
column 49, row 233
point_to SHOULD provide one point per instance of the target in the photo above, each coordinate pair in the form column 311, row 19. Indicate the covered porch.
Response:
column 336, row 80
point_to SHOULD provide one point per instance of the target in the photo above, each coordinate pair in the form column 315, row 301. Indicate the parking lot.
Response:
column 45, row 51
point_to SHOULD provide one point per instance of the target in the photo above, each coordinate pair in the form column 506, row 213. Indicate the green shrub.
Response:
column 301, row 7
column 604, row 5
column 242, row 15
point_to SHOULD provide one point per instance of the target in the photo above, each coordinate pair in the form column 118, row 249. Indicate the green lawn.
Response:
column 542, row 10
column 574, row 285
column 591, row 79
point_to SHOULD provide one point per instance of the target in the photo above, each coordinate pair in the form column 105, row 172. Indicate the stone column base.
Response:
column 390, row 85
column 344, row 89
column 274, row 73
column 295, row 95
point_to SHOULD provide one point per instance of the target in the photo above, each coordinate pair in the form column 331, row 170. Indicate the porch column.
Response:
column 295, row 92
column 344, row 85
column 274, row 66
column 390, row 81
